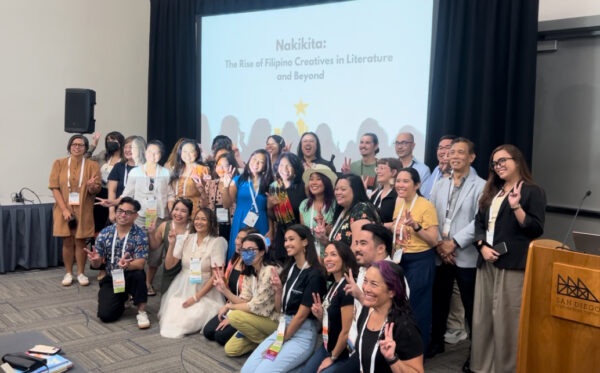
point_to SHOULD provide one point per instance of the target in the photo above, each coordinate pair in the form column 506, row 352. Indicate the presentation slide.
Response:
column 338, row 70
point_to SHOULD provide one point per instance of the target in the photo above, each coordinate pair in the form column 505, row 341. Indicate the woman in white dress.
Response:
column 191, row 300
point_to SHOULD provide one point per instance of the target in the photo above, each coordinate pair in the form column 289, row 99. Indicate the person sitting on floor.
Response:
column 123, row 248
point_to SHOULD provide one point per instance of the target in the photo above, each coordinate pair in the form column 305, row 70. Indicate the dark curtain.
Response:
column 483, row 81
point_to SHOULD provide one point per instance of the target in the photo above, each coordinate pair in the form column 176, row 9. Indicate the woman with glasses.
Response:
column 384, row 197
column 74, row 182
column 511, row 215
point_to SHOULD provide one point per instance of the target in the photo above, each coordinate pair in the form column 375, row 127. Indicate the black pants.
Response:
column 111, row 305
column 445, row 274
column 221, row 336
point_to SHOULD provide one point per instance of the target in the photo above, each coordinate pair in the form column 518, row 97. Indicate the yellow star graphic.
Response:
column 300, row 107
column 302, row 127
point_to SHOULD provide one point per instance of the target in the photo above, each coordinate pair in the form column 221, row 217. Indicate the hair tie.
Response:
column 265, row 240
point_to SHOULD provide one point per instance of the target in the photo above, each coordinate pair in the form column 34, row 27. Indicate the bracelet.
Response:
column 195, row 298
column 333, row 358
column 518, row 206
column 418, row 228
column 393, row 360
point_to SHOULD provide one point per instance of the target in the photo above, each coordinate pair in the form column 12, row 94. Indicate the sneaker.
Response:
column 453, row 336
column 83, row 280
column 67, row 280
column 142, row 320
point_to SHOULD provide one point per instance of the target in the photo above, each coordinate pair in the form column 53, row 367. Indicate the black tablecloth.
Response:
column 26, row 237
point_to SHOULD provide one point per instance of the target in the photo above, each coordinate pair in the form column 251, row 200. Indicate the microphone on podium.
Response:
column 562, row 246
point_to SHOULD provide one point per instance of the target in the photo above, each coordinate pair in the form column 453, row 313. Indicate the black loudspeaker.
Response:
column 79, row 110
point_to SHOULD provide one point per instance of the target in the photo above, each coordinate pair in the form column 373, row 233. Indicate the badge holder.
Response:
column 118, row 279
column 222, row 214
column 251, row 219
column 151, row 212
column 275, row 348
column 195, row 271
column 74, row 199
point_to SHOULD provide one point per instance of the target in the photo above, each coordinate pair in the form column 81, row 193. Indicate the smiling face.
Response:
column 188, row 153
column 384, row 173
column 201, row 223
column 127, row 151
column 180, row 213
column 332, row 260
column 77, row 147
column 375, row 289
column 285, row 169
column 315, row 184
column 367, row 146
column 294, row 244
column 238, row 240
column 153, row 154
column 125, row 214
column 309, row 146
column 460, row 158
column 272, row 147
column 506, row 167
column 222, row 166
column 404, row 145
column 257, row 163
column 343, row 193
column 443, row 148
column 405, row 186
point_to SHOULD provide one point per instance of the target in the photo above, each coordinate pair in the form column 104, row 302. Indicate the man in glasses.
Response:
column 405, row 144
column 442, row 169
column 123, row 248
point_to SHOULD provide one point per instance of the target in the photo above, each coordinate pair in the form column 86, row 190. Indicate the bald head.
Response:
column 405, row 143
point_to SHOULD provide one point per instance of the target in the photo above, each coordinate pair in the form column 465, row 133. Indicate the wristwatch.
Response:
column 393, row 360
column 418, row 228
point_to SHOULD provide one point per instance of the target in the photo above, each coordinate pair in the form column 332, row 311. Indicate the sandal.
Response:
column 151, row 291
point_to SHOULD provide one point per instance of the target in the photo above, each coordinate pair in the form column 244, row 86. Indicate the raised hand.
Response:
column 93, row 256
column 317, row 306
column 287, row 147
column 387, row 346
column 272, row 200
column 346, row 166
column 105, row 202
column 409, row 221
column 172, row 237
column 92, row 182
column 96, row 138
column 351, row 287
column 218, row 281
column 275, row 280
column 227, row 177
column 125, row 261
column 514, row 197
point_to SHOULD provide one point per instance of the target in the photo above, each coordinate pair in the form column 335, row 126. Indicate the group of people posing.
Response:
column 305, row 268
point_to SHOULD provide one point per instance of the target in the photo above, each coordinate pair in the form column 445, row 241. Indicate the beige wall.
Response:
column 48, row 46
column 558, row 9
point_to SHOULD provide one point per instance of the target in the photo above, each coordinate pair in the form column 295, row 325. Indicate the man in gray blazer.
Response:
column 455, row 199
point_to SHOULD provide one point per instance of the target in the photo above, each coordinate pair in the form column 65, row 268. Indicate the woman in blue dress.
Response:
column 249, row 192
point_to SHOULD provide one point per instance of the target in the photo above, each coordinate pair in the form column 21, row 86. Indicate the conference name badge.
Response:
column 222, row 215
column 151, row 212
column 118, row 279
column 251, row 219
column 275, row 348
column 195, row 271
column 74, row 198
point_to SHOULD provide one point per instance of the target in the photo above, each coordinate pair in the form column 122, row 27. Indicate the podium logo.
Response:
column 577, row 290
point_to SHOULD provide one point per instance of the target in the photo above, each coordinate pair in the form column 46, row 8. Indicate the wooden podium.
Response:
column 560, row 312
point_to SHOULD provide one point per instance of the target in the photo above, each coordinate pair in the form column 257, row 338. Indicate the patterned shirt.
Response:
column 137, row 245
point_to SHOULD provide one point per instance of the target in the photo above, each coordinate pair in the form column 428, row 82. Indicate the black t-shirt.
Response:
column 406, row 334
column 385, row 207
column 234, row 277
column 311, row 281
column 339, row 299
column 118, row 174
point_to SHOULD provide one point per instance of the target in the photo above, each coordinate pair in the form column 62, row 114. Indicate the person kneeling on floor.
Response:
column 123, row 247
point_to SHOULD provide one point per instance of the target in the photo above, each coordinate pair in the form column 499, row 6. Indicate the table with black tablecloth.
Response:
column 26, row 239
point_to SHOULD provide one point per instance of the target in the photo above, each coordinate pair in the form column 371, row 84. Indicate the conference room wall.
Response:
column 48, row 46
column 559, row 9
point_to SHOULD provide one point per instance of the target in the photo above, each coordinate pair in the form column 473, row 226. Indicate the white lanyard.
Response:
column 253, row 196
column 126, row 174
column 400, row 215
column 372, row 365
column 287, row 299
column 254, row 286
column 382, row 197
column 336, row 226
column 69, row 173
column 112, row 254
column 332, row 291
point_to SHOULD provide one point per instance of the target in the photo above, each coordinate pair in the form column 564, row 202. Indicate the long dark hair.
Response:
column 347, row 256
column 280, row 143
column 358, row 192
column 296, row 165
column 414, row 176
column 494, row 182
column 230, row 159
column 311, row 252
column 328, row 195
column 266, row 177
column 213, row 226
column 118, row 136
column 258, row 239
column 179, row 164
column 393, row 276
column 317, row 152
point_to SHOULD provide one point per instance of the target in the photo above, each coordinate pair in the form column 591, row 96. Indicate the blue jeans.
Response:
column 312, row 365
column 293, row 354
column 419, row 269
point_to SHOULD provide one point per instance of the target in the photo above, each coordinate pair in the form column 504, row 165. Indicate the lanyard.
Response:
column 332, row 291
column 112, row 254
column 126, row 175
column 336, row 227
column 400, row 215
column 287, row 298
column 69, row 173
column 184, row 183
column 156, row 173
column 372, row 365
column 382, row 198
column 253, row 196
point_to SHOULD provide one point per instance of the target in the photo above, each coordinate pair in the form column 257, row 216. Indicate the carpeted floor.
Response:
column 35, row 300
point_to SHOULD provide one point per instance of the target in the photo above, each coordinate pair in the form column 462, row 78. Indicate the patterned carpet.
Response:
column 36, row 301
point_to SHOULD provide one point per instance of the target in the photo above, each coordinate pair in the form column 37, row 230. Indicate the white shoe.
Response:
column 67, row 280
column 142, row 320
column 83, row 280
column 453, row 336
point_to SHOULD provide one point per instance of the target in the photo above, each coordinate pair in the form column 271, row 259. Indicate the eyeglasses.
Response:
column 499, row 163
column 151, row 186
column 248, row 250
column 77, row 145
column 126, row 212
column 402, row 143
column 447, row 147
